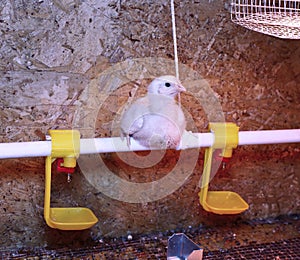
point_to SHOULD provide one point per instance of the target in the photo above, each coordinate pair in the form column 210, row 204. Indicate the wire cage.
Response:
column 279, row 18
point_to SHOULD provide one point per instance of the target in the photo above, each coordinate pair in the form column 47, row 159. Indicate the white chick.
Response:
column 156, row 120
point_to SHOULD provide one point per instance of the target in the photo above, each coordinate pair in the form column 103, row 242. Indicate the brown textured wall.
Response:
column 61, row 67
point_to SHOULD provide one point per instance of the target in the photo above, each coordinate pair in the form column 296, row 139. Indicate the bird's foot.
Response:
column 128, row 141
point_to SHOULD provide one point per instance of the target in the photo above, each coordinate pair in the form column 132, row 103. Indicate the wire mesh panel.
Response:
column 280, row 18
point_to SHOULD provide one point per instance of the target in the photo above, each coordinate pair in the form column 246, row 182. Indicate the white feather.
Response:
column 156, row 120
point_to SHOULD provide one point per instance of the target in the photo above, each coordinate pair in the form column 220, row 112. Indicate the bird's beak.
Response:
column 180, row 88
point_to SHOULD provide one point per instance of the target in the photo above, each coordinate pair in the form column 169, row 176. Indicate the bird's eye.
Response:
column 167, row 84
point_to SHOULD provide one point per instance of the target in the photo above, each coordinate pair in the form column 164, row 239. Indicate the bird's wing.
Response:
column 133, row 117
column 136, row 125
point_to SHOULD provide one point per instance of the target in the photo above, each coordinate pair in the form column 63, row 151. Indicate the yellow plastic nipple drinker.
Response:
column 65, row 144
column 220, row 202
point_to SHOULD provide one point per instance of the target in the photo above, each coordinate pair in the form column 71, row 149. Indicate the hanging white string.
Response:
column 175, row 46
column 174, row 39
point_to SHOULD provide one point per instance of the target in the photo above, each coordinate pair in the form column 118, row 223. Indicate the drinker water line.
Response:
column 116, row 144
column 66, row 146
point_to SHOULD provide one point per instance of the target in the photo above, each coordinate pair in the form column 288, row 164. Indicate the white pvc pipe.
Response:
column 25, row 149
column 115, row 144
column 269, row 137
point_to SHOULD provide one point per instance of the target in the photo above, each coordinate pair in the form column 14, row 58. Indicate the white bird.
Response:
column 156, row 120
